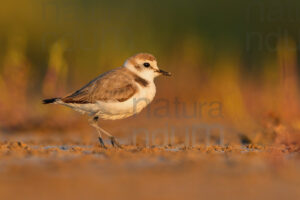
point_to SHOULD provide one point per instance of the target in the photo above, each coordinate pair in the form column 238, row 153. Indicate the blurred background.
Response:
column 235, row 73
column 234, row 63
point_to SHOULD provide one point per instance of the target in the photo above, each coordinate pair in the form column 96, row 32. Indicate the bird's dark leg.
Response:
column 114, row 142
column 93, row 123
column 102, row 143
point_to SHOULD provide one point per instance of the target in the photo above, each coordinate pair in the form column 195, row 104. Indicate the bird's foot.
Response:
column 102, row 145
column 115, row 143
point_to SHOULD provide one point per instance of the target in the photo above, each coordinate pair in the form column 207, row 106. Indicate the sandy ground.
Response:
column 39, row 167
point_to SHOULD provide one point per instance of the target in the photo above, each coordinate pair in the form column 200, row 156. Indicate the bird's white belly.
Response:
column 116, row 109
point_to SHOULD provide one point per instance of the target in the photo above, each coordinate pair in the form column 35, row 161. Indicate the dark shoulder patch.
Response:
column 141, row 81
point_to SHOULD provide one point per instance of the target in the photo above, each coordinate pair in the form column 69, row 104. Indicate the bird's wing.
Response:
column 115, row 85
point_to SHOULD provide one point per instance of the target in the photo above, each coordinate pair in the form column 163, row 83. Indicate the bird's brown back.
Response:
column 115, row 85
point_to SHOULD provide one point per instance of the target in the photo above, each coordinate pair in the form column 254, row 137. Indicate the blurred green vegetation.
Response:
column 104, row 33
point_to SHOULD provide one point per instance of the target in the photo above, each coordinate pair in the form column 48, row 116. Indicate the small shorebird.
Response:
column 116, row 94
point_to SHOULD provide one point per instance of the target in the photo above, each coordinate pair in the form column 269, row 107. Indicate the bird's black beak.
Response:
column 163, row 72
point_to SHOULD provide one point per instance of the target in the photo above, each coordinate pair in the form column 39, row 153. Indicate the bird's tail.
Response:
column 48, row 101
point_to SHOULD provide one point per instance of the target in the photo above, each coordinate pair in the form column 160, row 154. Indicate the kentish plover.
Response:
column 116, row 94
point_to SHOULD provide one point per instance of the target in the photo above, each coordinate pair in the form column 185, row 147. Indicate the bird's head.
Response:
column 145, row 65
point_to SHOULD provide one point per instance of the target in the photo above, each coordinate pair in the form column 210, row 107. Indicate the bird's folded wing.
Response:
column 116, row 85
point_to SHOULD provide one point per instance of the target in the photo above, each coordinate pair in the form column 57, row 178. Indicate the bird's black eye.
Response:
column 146, row 64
